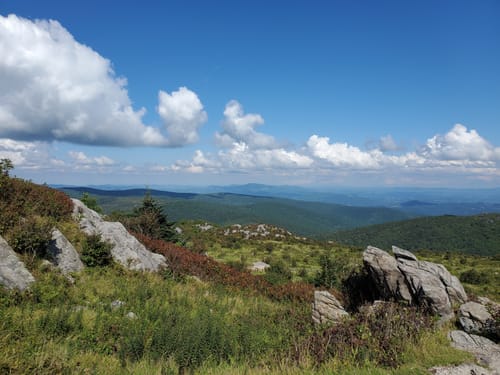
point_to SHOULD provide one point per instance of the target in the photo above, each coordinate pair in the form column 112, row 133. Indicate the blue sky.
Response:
column 329, row 93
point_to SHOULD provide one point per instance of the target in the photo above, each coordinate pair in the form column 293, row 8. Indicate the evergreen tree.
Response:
column 150, row 220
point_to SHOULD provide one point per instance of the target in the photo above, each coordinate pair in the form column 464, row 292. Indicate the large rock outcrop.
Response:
column 63, row 254
column 326, row 308
column 405, row 278
column 486, row 351
column 13, row 273
column 126, row 250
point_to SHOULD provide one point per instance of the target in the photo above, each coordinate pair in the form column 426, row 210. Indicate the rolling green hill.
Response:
column 479, row 234
column 312, row 219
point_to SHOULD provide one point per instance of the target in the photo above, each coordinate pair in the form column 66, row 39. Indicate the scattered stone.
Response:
column 13, row 273
column 486, row 351
column 126, row 250
column 63, row 254
column 259, row 266
column 116, row 304
column 475, row 318
column 464, row 369
column 326, row 308
column 131, row 315
column 205, row 227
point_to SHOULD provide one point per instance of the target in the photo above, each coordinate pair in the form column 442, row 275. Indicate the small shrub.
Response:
column 269, row 247
column 473, row 276
column 279, row 273
column 31, row 236
column 380, row 336
column 96, row 252
column 91, row 202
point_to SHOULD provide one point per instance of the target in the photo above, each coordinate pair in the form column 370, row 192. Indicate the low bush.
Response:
column 96, row 252
column 30, row 236
column 183, row 262
column 379, row 336
column 473, row 276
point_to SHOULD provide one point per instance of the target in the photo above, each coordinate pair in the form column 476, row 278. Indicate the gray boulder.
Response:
column 13, row 273
column 326, row 308
column 386, row 275
column 405, row 278
column 475, row 318
column 426, row 287
column 126, row 250
column 63, row 254
column 464, row 369
column 486, row 351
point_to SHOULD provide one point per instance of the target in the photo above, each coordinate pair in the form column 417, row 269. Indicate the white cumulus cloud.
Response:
column 342, row 155
column 458, row 150
column 182, row 114
column 240, row 127
column 460, row 144
column 55, row 88
column 81, row 158
column 387, row 143
column 28, row 155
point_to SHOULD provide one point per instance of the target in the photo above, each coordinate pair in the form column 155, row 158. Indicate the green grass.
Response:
column 303, row 256
column 181, row 324
column 59, row 327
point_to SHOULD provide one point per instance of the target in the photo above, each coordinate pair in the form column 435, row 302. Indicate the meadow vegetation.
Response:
column 205, row 313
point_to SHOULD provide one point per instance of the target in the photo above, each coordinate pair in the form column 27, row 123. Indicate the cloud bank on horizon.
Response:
column 55, row 89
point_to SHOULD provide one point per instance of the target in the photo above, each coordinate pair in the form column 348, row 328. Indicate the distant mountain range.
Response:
column 412, row 201
column 311, row 219
column 314, row 215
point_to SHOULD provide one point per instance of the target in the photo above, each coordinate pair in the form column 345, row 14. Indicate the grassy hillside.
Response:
column 304, row 218
column 479, row 234
column 302, row 257
column 199, row 315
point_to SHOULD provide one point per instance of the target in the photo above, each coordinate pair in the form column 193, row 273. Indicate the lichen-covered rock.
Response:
column 386, row 275
column 13, row 273
column 326, row 308
column 474, row 317
column 126, row 250
column 405, row 278
column 486, row 351
column 63, row 254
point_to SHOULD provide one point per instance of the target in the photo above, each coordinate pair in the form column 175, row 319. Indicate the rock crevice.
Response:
column 405, row 278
